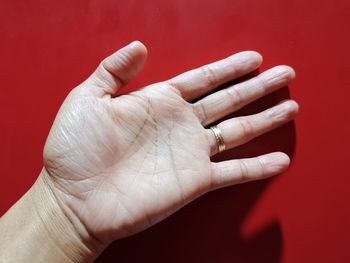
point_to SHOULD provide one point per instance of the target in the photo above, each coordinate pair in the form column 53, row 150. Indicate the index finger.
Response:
column 197, row 82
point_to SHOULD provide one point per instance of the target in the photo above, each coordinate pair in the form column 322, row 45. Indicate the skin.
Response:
column 114, row 166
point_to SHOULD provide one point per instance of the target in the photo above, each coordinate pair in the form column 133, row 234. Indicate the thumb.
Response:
column 118, row 69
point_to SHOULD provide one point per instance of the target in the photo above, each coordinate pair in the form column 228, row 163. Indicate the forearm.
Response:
column 38, row 229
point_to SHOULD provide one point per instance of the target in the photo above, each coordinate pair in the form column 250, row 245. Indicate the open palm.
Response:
column 121, row 164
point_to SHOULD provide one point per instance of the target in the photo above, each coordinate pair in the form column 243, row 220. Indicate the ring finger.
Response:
column 237, row 131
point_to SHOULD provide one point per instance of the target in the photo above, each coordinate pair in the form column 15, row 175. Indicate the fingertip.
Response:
column 288, row 71
column 290, row 106
column 252, row 55
column 293, row 107
column 138, row 46
column 291, row 71
column 283, row 158
column 275, row 163
column 257, row 55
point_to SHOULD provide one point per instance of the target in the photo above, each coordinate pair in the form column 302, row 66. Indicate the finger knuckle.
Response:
column 209, row 75
column 201, row 112
column 243, row 171
column 260, row 84
column 247, row 131
column 262, row 167
column 235, row 96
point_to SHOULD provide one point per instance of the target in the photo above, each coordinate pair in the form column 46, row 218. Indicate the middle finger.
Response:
column 223, row 102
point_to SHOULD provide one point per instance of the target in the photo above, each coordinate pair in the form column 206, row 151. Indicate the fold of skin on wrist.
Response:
column 39, row 228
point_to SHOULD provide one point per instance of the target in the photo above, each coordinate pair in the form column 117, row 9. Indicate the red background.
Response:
column 48, row 47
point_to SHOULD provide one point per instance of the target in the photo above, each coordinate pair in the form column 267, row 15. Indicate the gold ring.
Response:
column 219, row 139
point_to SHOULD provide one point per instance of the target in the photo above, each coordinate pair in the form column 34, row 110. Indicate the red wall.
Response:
column 48, row 47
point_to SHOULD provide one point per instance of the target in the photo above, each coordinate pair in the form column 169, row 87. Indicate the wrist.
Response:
column 40, row 228
column 67, row 232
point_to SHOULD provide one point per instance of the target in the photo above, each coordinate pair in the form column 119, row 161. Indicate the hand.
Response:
column 118, row 165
